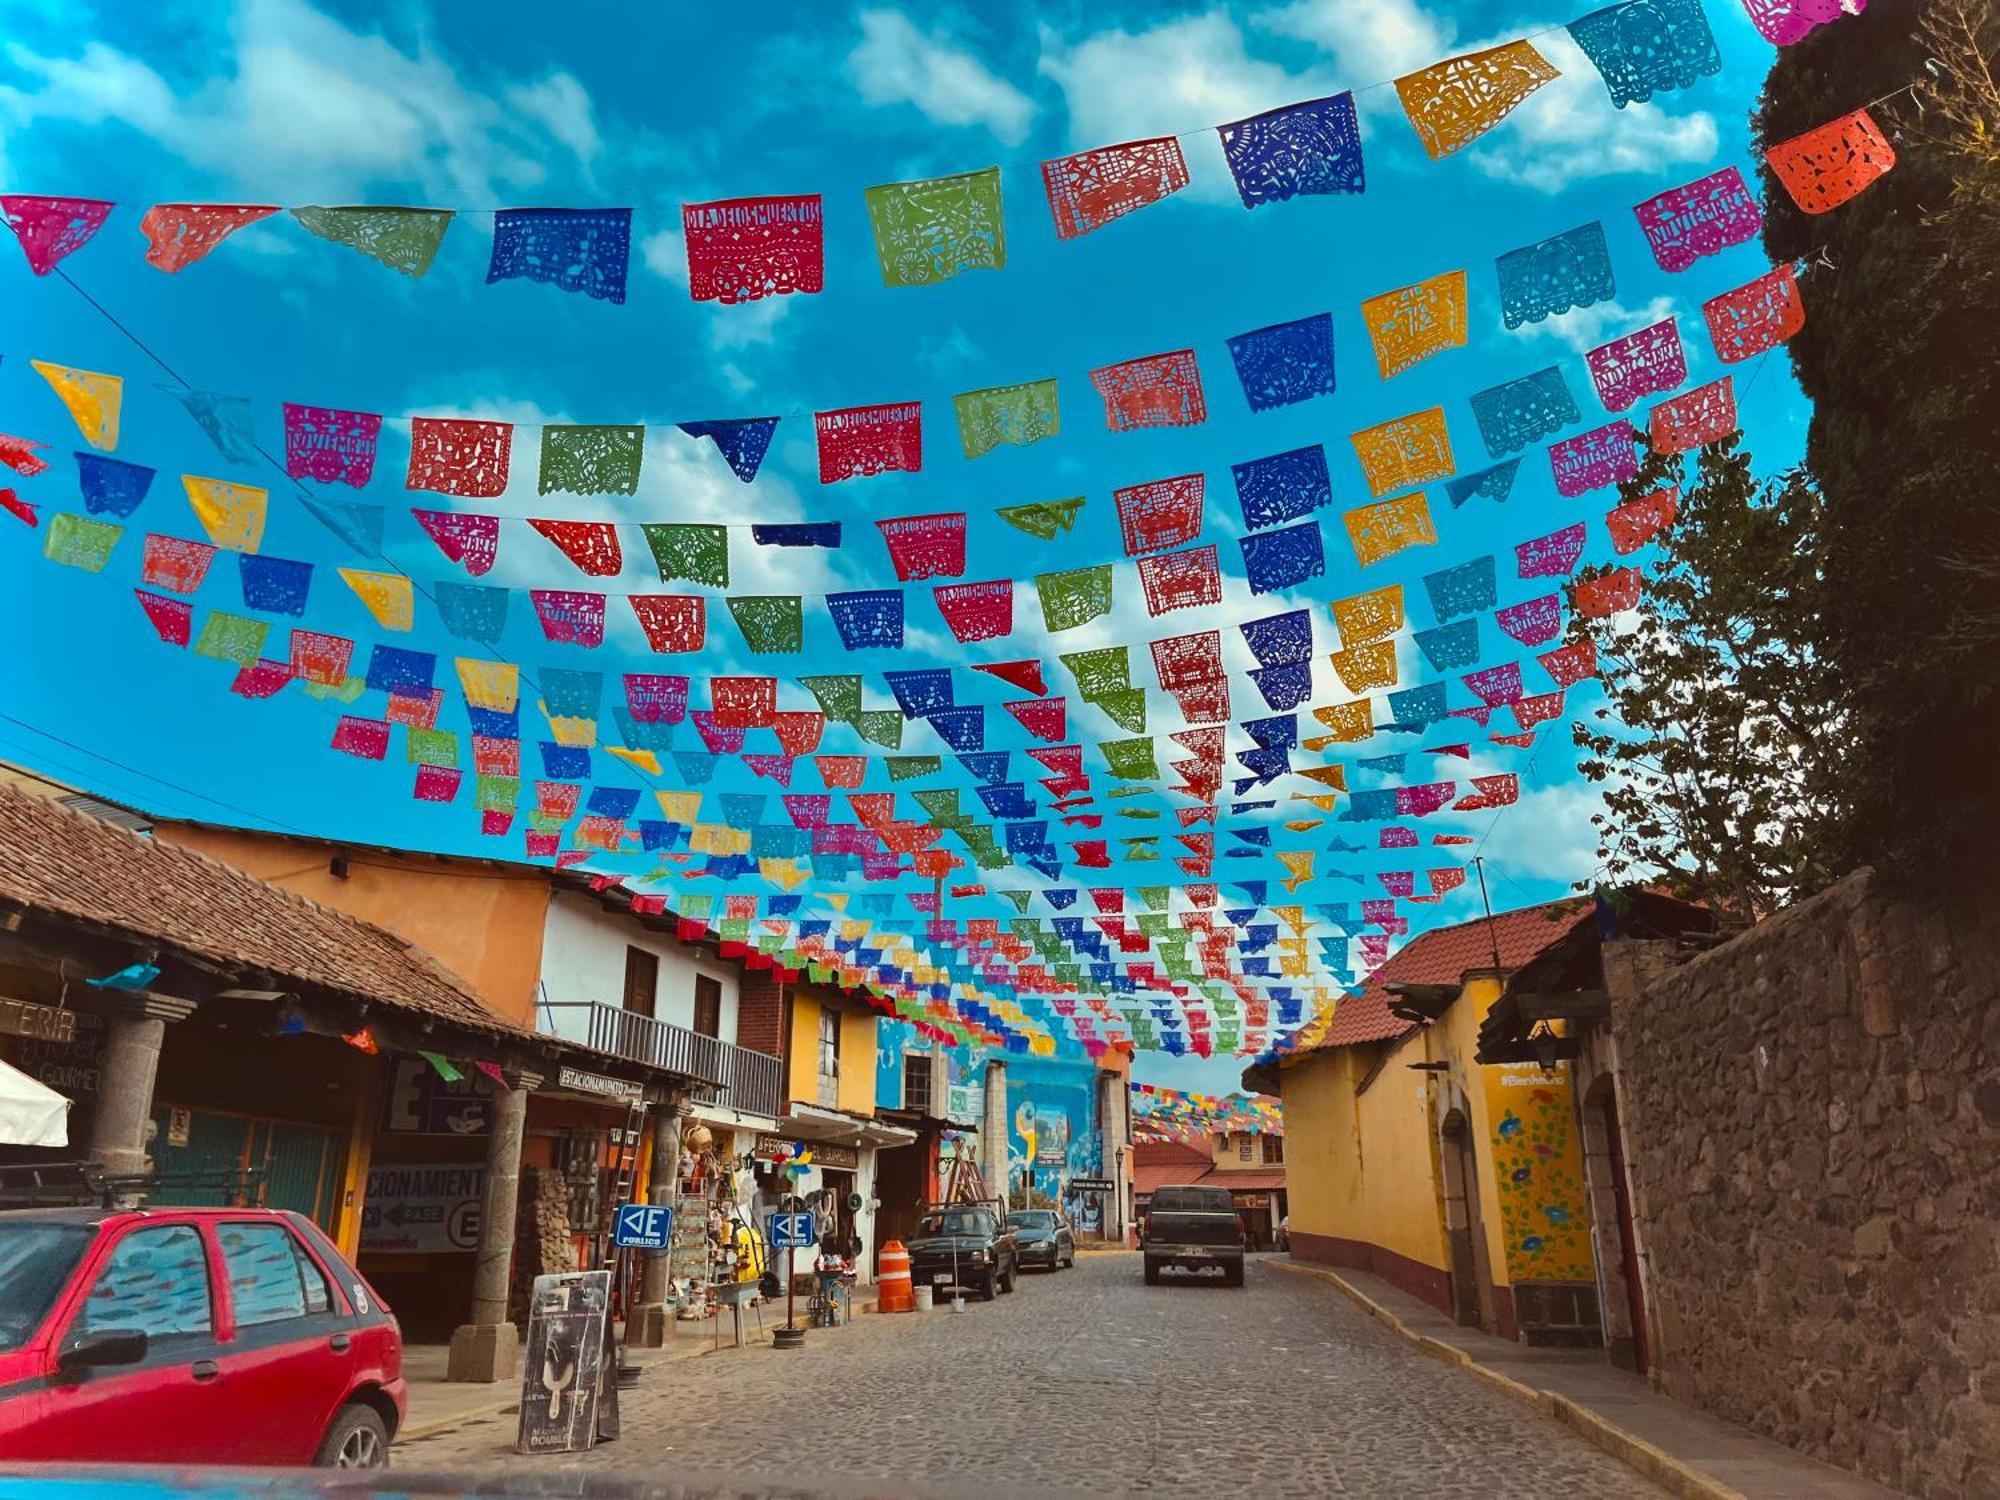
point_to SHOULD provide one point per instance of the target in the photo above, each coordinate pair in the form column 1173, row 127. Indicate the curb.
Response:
column 1670, row 1473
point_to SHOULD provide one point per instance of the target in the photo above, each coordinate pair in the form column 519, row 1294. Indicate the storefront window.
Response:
column 829, row 1043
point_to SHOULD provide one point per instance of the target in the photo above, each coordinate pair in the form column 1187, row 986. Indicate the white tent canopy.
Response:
column 31, row 1113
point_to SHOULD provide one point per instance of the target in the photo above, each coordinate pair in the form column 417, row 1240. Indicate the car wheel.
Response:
column 1232, row 1275
column 1152, row 1271
column 358, row 1439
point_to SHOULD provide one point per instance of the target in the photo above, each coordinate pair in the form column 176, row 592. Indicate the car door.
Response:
column 286, row 1352
column 172, row 1406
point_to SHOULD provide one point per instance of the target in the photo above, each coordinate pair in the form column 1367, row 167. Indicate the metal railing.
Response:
column 735, row 1077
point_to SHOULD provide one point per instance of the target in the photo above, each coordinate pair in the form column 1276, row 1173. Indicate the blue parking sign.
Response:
column 792, row 1231
column 643, row 1226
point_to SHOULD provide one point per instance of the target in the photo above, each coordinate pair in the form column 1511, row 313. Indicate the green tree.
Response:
column 1721, row 746
column 1901, row 360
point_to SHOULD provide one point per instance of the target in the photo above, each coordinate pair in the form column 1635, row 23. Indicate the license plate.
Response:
column 943, row 1278
column 1197, row 1254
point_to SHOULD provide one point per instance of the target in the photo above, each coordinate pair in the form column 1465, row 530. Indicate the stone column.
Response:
column 993, row 1130
column 487, row 1349
column 650, row 1317
column 134, row 1030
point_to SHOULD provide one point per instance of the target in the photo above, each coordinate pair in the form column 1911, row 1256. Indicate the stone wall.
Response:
column 1812, row 1114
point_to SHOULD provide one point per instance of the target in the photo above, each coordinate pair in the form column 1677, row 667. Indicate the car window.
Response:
column 1032, row 1219
column 35, row 1261
column 155, row 1283
column 269, row 1279
column 965, row 1221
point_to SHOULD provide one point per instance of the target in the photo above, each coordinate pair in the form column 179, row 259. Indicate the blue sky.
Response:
column 477, row 106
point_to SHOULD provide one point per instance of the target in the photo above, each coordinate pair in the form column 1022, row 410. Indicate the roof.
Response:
column 1445, row 955
column 81, row 868
column 1158, row 1164
column 1259, row 1180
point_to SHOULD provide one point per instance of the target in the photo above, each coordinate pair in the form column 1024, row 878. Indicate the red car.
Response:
column 190, row 1335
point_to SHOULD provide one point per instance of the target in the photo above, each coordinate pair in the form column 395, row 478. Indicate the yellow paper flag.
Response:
column 1333, row 776
column 1349, row 721
column 387, row 595
column 1366, row 667
column 1299, row 864
column 1304, row 825
column 489, row 684
column 1324, row 801
column 575, row 734
column 785, row 874
column 837, row 900
column 1373, row 616
column 93, row 400
column 1389, row 526
column 1410, row 324
column 643, row 760
column 719, row 838
column 1453, row 103
column 1407, row 451
column 680, row 807
column 231, row 514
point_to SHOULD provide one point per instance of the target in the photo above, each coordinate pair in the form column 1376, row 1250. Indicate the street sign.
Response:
column 792, row 1231
column 643, row 1226
column 1091, row 1185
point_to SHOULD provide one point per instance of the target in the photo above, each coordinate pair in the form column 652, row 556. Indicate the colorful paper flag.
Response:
column 1565, row 271
column 1410, row 324
column 930, row 230
column 1159, row 390
column 1755, row 317
column 1016, row 414
column 859, row 441
column 1645, row 47
column 1285, row 363
column 1407, row 451
column 231, row 514
column 1311, row 148
column 387, row 596
column 1706, row 414
column 463, row 537
column 1828, row 165
column 1452, row 103
column 575, row 249
column 1639, row 364
column 51, row 228
column 463, row 458
column 1701, row 218
column 1091, row 188
column 179, row 234
column 93, row 400
column 403, row 239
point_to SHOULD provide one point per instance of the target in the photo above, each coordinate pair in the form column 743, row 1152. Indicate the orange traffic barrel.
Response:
column 893, row 1292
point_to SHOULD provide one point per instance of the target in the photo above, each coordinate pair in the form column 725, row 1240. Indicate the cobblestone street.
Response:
column 1089, row 1381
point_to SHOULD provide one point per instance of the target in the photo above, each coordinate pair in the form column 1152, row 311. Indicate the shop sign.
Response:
column 180, row 1126
column 1251, row 1200
column 72, row 1067
column 576, row 1081
column 1090, row 1185
column 45, row 1023
column 426, row 1210
column 784, row 1148
column 418, row 1102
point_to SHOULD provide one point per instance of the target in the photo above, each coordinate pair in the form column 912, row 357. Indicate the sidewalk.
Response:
column 438, row 1405
column 1685, row 1451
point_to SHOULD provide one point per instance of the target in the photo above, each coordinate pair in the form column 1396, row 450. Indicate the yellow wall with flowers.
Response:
column 855, row 1092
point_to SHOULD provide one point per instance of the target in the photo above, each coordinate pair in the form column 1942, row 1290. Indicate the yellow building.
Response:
column 1458, row 1181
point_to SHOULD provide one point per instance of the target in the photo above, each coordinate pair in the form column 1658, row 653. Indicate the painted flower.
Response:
column 1542, row 1148
column 1510, row 1125
column 1532, row 1243
column 1555, row 1213
column 1524, row 1174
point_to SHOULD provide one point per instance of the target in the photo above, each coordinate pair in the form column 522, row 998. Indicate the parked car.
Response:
column 1046, row 1238
column 969, row 1247
column 1195, row 1228
column 191, row 1335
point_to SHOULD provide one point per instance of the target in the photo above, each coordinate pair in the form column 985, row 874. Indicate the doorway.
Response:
column 1471, row 1280
column 1628, row 1235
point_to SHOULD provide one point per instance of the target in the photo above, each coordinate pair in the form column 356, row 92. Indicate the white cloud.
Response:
column 313, row 110
column 1371, row 40
column 1547, row 835
column 746, row 325
column 665, row 255
column 1584, row 328
column 895, row 63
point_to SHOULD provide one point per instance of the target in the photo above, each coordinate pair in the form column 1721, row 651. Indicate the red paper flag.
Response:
column 1706, row 414
column 172, row 618
column 18, row 508
column 175, row 564
column 672, row 622
column 743, row 702
column 1599, row 598
column 1637, row 522
column 179, row 234
column 19, row 454
column 841, row 771
column 977, row 611
column 799, row 730
column 926, row 546
column 1046, row 719
column 591, row 545
column 1180, row 580
column 1757, row 316
column 1160, row 514
column 857, row 441
column 1571, row 663
column 1025, row 675
column 459, row 457
column 741, row 249
column 1161, row 390
column 1825, row 167
column 464, row 538
column 51, row 228
column 1090, row 189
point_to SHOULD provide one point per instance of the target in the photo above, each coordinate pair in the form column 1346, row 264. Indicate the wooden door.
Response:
column 1628, row 1237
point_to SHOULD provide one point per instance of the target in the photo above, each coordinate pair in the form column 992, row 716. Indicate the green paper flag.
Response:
column 348, row 690
column 403, row 239
column 496, row 793
column 228, row 637
column 1019, row 898
column 78, row 542
column 591, row 460
column 942, row 805
column 442, row 1065
column 770, row 622
column 1153, row 923
column 699, row 554
column 1155, row 897
column 1018, row 414
column 433, row 747
column 733, row 929
column 1130, row 760
column 930, row 230
column 1101, row 672
column 1127, row 709
column 1044, row 518
column 697, row 908
column 1074, row 598
column 906, row 767
column 839, row 698
column 1138, row 851
column 881, row 726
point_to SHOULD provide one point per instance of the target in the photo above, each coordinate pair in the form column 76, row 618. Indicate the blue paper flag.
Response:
column 989, row 767
column 1468, row 589
column 111, row 487
column 1008, row 800
column 1494, row 484
column 1283, row 487
column 1280, row 640
column 1286, row 686
column 1450, row 646
column 394, row 669
column 491, row 724
column 1312, row 148
column 225, row 419
column 276, row 585
column 577, row 249
column 1418, row 706
column 1371, row 806
column 743, row 809
column 131, row 977
column 868, row 618
column 1524, row 411
column 637, row 734
column 1285, row 363
column 565, row 762
column 919, row 694
column 655, row 835
column 696, row 767
column 471, row 611
column 1280, row 559
column 568, row 694
column 1647, row 47
column 1279, row 730
column 1572, row 269
column 1060, row 898
column 962, row 726
column 797, row 534
column 618, row 802
column 742, row 443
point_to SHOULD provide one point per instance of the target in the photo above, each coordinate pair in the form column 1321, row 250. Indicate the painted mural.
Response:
column 893, row 1038
column 1538, row 1170
column 1053, row 1135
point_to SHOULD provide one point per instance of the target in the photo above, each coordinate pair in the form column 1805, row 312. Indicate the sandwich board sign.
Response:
column 563, row 1366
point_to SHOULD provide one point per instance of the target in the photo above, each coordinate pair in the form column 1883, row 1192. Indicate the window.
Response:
column 917, row 1083
column 707, row 1005
column 270, row 1278
column 1243, row 1147
column 1274, row 1149
column 155, row 1283
column 829, row 1042
column 642, row 981
column 35, row 1264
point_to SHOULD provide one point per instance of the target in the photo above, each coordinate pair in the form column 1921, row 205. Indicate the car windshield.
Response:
column 958, row 1221
column 35, row 1261
column 1039, row 1218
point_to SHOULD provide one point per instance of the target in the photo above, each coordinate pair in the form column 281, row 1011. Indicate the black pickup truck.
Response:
column 1193, row 1227
column 968, row 1246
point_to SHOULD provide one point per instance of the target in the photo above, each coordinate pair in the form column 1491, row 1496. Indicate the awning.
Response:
column 811, row 1123
column 31, row 1113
